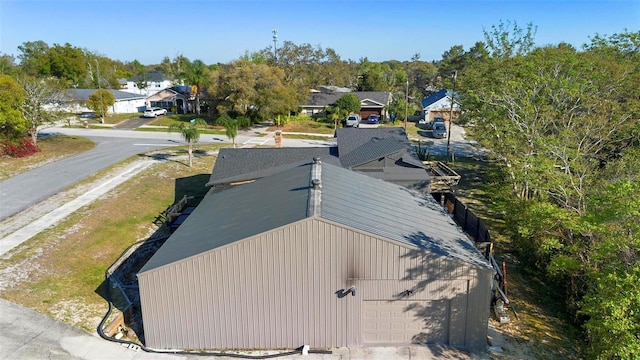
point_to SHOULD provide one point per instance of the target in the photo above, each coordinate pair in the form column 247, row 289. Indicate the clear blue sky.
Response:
column 222, row 30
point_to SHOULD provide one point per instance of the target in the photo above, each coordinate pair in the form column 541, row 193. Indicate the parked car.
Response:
column 373, row 119
column 353, row 120
column 87, row 115
column 431, row 124
column 154, row 112
column 439, row 130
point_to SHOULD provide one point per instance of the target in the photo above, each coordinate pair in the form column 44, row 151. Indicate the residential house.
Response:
column 176, row 99
column 315, row 255
column 126, row 102
column 371, row 102
column 382, row 153
column 153, row 82
column 439, row 105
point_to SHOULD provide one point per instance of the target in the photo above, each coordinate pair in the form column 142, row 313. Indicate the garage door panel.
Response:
column 404, row 322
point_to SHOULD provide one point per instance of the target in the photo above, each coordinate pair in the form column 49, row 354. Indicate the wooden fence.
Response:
column 475, row 228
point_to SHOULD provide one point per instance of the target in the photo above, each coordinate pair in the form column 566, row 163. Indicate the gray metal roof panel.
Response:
column 394, row 212
column 237, row 213
column 348, row 198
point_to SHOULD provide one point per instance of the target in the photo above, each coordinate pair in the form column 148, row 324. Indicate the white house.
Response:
column 154, row 81
column 126, row 103
column 439, row 105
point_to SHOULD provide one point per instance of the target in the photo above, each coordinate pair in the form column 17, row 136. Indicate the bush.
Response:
column 24, row 148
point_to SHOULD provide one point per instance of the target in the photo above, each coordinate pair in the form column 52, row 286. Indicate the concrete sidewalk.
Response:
column 52, row 218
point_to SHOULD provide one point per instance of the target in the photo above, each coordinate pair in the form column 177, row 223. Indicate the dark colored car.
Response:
column 373, row 119
column 87, row 115
column 431, row 124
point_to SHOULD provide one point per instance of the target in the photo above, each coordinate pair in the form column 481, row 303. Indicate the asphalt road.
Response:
column 23, row 190
column 26, row 189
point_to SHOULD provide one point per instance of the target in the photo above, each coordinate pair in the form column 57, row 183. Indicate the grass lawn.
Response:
column 305, row 125
column 60, row 271
column 52, row 148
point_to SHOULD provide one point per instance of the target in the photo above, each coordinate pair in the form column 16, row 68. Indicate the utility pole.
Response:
column 406, row 106
column 100, row 92
column 455, row 76
column 275, row 40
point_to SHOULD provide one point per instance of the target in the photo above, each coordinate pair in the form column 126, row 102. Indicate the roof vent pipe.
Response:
column 316, row 184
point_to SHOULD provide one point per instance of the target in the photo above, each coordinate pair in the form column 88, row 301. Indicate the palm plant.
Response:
column 190, row 133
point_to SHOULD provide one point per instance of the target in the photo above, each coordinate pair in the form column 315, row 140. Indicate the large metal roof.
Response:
column 346, row 197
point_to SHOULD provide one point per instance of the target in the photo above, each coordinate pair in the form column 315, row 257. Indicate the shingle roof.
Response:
column 328, row 99
column 150, row 76
column 252, row 163
column 350, row 139
column 355, row 147
column 433, row 98
column 373, row 149
column 83, row 94
column 347, row 198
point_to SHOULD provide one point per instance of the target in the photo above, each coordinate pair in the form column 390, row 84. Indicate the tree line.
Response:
column 562, row 127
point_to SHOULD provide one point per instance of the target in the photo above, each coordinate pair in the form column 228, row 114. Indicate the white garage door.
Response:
column 404, row 322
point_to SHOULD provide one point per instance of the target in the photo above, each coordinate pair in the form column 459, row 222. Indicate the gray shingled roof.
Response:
column 355, row 147
column 375, row 148
column 350, row 139
column 252, row 163
column 150, row 76
column 328, row 99
column 348, row 198
column 83, row 94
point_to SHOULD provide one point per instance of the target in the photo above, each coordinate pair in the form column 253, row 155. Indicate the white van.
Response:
column 353, row 120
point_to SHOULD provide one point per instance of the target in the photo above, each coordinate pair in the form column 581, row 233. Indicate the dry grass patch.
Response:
column 52, row 148
column 65, row 266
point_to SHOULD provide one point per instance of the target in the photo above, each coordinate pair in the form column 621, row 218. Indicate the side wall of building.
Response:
column 290, row 287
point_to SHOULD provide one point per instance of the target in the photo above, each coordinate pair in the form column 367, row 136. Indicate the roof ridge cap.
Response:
column 315, row 190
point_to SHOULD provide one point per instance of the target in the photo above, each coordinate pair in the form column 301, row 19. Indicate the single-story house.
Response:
column 439, row 105
column 178, row 96
column 371, row 102
column 382, row 153
column 153, row 81
column 125, row 103
column 315, row 255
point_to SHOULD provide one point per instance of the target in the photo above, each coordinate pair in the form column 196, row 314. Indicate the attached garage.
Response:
column 315, row 255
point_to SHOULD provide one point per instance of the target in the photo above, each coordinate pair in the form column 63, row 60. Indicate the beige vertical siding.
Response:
column 278, row 290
